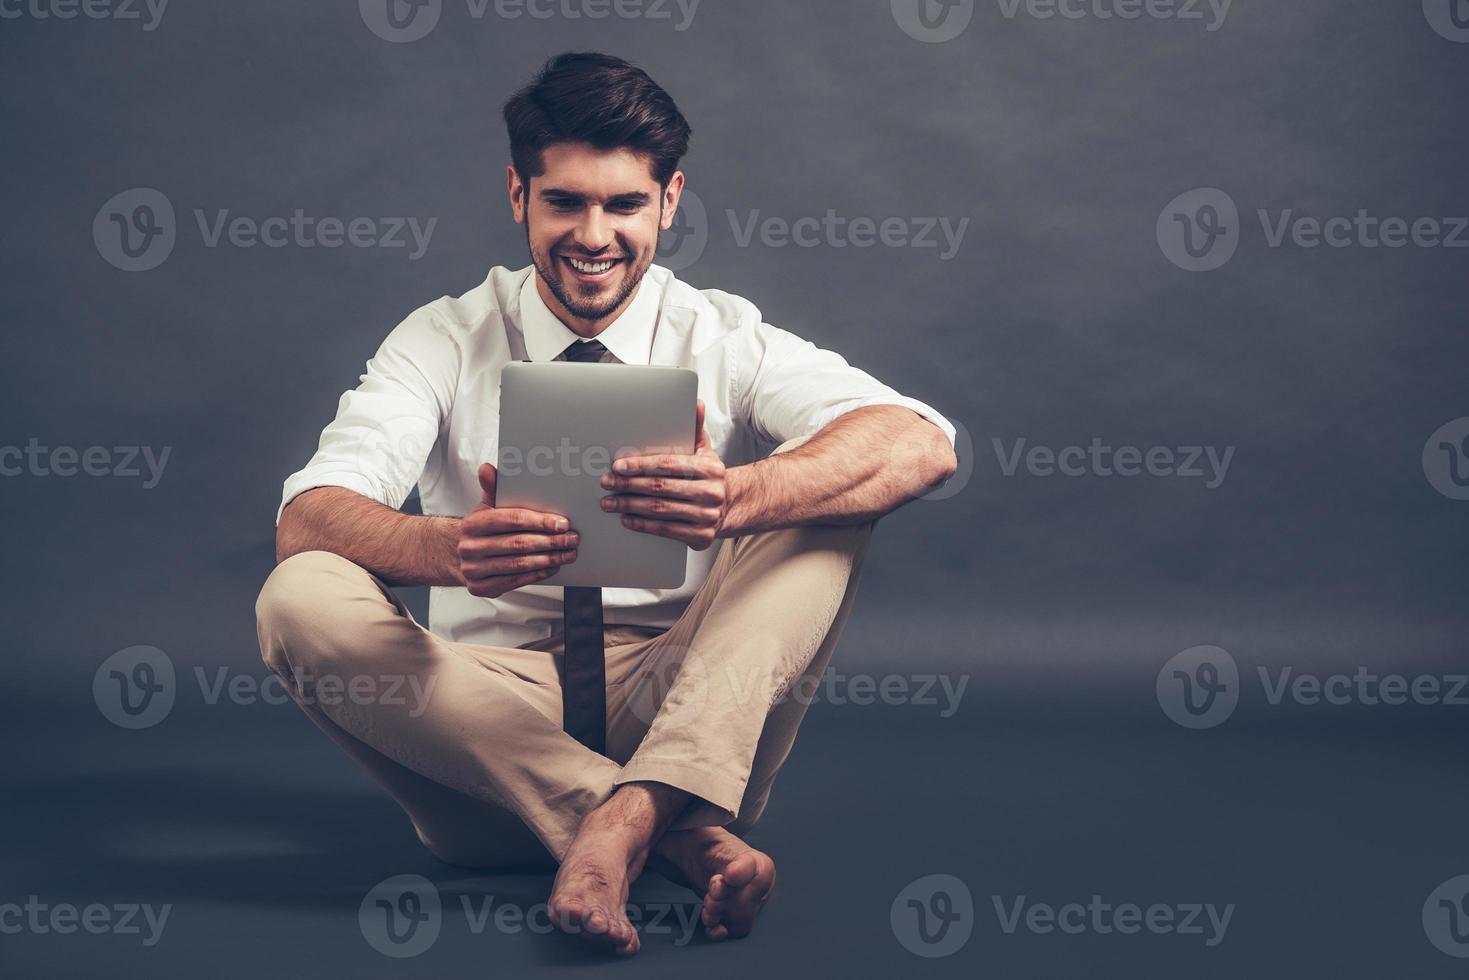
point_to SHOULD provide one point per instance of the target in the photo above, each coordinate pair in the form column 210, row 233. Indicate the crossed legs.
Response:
column 478, row 759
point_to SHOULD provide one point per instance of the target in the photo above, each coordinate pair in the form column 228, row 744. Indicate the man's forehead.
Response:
column 583, row 169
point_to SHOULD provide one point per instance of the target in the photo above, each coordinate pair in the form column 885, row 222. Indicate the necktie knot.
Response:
column 589, row 351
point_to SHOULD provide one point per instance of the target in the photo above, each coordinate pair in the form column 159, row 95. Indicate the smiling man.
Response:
column 798, row 454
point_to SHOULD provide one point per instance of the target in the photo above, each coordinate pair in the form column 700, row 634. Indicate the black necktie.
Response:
column 584, row 689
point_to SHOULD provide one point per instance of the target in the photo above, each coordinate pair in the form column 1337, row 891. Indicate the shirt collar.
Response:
column 629, row 337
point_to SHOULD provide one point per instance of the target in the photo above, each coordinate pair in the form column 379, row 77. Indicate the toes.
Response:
column 594, row 924
column 741, row 871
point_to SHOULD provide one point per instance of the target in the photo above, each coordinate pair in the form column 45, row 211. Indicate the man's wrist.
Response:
column 442, row 547
column 741, row 494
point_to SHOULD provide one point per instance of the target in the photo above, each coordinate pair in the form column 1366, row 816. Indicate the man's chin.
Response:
column 594, row 302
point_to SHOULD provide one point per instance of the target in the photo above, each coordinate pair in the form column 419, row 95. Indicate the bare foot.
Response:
column 589, row 898
column 735, row 879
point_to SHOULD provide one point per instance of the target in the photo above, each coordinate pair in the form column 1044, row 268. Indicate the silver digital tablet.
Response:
column 561, row 425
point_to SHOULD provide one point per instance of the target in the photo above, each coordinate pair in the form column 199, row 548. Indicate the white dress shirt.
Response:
column 427, row 414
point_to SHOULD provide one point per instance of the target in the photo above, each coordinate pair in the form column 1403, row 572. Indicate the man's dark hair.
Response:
column 587, row 97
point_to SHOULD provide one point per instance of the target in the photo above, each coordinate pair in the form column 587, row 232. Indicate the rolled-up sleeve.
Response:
column 387, row 426
column 788, row 387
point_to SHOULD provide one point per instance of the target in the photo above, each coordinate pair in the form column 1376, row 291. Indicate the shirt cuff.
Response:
column 299, row 483
column 927, row 411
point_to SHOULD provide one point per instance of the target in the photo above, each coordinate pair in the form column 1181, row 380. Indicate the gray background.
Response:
column 1059, row 320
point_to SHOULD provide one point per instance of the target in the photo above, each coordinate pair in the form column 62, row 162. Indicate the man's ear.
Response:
column 671, row 194
column 517, row 190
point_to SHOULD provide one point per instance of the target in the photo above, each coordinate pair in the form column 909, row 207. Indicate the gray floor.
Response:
column 1326, row 832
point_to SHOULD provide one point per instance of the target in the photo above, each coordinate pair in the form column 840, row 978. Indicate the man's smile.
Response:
column 591, row 271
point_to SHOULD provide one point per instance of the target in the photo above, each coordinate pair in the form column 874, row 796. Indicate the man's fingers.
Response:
column 500, row 584
column 701, row 438
column 493, row 568
column 699, row 491
column 498, row 520
column 663, row 507
column 667, row 464
column 473, row 549
column 489, row 568
column 695, row 536
column 487, row 479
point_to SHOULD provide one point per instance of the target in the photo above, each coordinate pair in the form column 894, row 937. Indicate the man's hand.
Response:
column 503, row 548
column 670, row 494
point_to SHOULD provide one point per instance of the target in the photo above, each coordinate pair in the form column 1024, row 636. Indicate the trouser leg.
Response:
column 769, row 614
column 438, row 717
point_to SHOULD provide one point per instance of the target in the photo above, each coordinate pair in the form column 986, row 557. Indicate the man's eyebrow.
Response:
column 631, row 197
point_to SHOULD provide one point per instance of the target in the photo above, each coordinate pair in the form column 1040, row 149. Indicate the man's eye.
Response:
column 627, row 207
column 563, row 204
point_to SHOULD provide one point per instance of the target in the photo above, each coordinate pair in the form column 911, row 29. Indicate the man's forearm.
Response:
column 400, row 549
column 863, row 465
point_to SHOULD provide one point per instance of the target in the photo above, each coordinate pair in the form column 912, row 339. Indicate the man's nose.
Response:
column 594, row 233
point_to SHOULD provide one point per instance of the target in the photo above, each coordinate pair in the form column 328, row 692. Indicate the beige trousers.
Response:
column 467, row 738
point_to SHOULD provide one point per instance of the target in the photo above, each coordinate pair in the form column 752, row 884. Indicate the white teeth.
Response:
column 591, row 268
